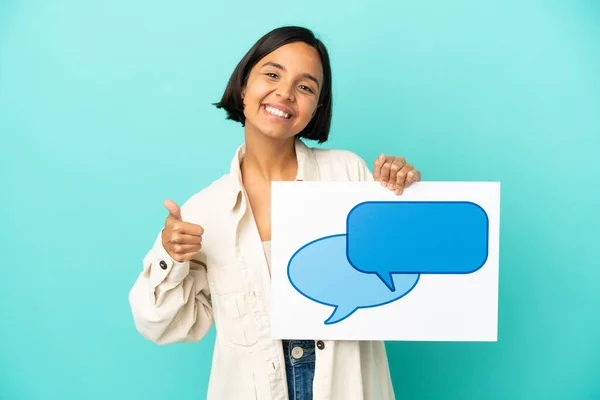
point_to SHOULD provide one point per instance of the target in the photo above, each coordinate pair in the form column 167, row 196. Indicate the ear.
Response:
column 243, row 92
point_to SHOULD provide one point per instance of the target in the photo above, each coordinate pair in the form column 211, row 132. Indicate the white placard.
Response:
column 434, row 279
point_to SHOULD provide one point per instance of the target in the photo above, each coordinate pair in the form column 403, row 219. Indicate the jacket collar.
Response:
column 308, row 169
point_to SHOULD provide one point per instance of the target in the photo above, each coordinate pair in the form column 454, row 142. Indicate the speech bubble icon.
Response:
column 320, row 271
column 425, row 237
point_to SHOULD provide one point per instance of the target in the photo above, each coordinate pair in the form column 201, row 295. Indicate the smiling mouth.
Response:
column 276, row 112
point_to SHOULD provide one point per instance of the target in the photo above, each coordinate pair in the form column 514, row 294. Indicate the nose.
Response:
column 286, row 91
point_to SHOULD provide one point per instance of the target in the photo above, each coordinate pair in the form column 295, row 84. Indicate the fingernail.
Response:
column 391, row 186
column 383, row 183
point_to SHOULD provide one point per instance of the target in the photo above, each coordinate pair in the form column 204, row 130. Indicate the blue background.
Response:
column 105, row 112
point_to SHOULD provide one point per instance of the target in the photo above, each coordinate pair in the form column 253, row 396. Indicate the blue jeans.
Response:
column 300, row 368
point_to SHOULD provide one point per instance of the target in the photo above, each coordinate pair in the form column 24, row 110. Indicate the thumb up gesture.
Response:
column 181, row 239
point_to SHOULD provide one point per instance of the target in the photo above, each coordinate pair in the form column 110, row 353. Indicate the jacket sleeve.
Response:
column 364, row 173
column 170, row 300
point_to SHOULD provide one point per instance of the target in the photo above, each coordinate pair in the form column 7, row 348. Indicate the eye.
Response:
column 306, row 88
column 271, row 75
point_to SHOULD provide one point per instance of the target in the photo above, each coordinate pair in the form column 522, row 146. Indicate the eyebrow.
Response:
column 281, row 67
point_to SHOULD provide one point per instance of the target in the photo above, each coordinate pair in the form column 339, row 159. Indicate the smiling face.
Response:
column 282, row 92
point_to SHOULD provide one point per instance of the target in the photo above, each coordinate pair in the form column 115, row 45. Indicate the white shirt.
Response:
column 228, row 284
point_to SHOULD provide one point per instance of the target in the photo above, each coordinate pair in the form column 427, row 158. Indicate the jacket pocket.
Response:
column 234, row 322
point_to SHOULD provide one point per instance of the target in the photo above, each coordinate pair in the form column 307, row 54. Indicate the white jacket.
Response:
column 229, row 284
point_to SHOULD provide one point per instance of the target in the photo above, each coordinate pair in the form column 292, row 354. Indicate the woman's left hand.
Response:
column 394, row 173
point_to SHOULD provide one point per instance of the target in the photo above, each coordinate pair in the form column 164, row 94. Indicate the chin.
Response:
column 272, row 130
column 274, row 134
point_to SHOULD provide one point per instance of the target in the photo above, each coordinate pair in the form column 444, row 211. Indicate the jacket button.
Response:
column 163, row 264
column 320, row 345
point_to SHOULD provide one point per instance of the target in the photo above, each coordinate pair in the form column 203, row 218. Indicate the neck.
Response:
column 269, row 159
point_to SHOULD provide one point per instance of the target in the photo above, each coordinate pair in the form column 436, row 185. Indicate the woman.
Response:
column 210, row 263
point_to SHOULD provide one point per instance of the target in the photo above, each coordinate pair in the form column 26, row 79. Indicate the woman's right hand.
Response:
column 181, row 239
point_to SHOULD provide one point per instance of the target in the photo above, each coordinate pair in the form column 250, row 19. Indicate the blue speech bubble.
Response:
column 320, row 271
column 425, row 237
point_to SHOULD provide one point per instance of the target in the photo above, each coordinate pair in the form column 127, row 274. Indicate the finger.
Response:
column 412, row 176
column 185, row 257
column 182, row 249
column 173, row 208
column 184, row 238
column 401, row 178
column 385, row 170
column 377, row 166
column 188, row 228
column 397, row 165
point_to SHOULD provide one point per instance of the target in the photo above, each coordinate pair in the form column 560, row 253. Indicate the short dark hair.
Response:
column 318, row 128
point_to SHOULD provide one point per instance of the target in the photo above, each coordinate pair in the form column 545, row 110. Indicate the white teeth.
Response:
column 277, row 112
